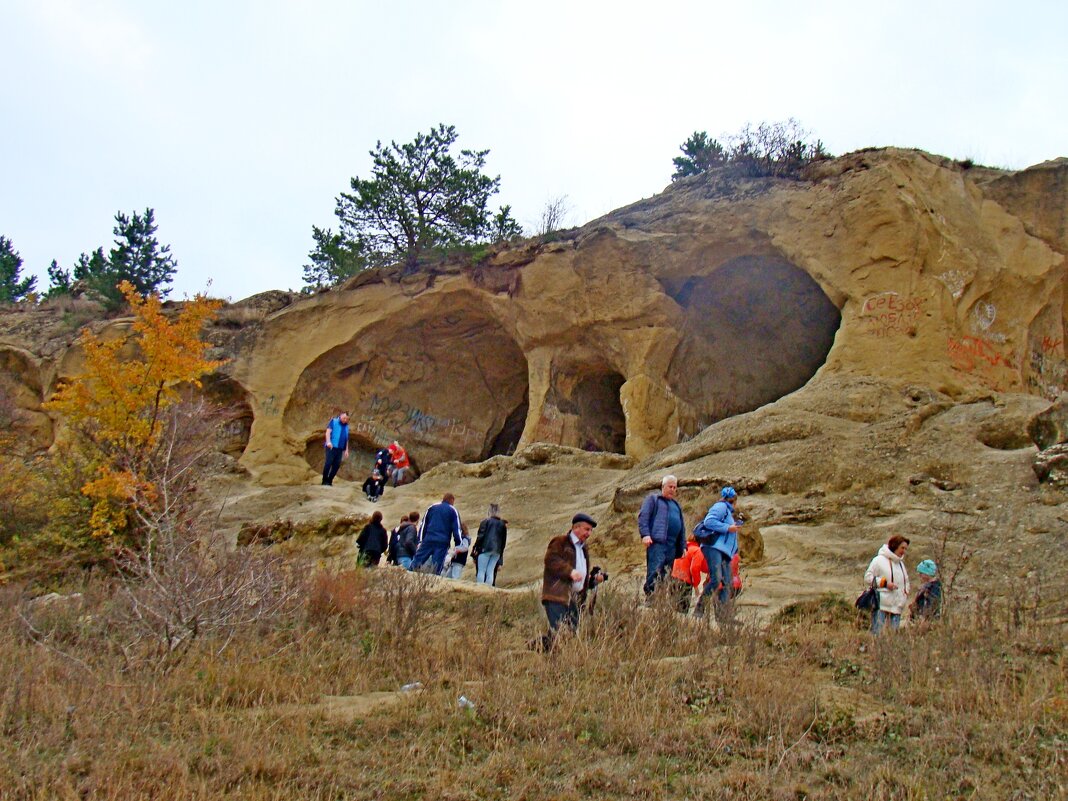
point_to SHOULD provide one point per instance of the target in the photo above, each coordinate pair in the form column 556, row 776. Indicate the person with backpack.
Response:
column 663, row 532
column 888, row 575
column 718, row 536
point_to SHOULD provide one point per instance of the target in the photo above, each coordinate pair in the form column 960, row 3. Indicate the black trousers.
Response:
column 559, row 615
column 332, row 464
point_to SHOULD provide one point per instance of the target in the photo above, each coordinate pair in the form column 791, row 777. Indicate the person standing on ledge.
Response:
column 337, row 447
column 663, row 533
column 568, row 577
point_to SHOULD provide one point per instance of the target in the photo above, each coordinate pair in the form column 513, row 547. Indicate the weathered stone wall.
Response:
column 640, row 329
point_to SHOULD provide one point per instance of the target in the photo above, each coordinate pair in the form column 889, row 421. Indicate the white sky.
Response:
column 241, row 121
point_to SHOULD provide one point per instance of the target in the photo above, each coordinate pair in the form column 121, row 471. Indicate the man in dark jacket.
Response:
column 567, row 576
column 383, row 462
column 663, row 532
column 441, row 526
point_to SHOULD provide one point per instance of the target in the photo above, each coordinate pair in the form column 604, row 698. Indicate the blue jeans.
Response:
column 435, row 552
column 879, row 618
column 404, row 561
column 658, row 560
column 456, row 569
column 719, row 570
column 487, row 564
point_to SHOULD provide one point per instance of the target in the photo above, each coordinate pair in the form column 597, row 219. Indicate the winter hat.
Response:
column 728, row 492
column 927, row 567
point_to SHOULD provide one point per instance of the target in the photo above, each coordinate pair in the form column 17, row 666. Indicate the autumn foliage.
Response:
column 116, row 410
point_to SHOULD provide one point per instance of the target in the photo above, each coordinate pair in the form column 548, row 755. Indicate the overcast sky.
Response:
column 240, row 121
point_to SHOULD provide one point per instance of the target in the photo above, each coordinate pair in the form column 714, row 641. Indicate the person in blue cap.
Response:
column 719, row 545
column 928, row 602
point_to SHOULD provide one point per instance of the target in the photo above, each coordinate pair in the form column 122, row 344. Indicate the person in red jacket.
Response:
column 399, row 467
column 686, row 573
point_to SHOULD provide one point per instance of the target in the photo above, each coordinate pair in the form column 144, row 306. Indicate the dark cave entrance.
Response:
column 602, row 424
column 755, row 330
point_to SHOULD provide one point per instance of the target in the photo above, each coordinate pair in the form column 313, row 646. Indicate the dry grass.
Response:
column 642, row 704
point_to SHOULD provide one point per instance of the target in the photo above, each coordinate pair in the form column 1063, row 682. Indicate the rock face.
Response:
column 714, row 298
column 639, row 330
column 865, row 352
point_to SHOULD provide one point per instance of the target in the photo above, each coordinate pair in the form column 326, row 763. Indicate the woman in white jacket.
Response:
column 887, row 572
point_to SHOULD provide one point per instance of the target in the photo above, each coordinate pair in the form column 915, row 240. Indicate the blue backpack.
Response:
column 703, row 534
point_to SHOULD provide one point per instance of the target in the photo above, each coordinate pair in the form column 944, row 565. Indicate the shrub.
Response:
column 778, row 149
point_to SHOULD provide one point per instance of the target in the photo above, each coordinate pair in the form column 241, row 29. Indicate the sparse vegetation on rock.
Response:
column 779, row 149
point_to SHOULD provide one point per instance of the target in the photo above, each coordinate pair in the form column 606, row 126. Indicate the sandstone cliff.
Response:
column 921, row 307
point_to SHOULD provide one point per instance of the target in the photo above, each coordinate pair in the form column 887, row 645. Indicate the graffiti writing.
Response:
column 954, row 281
column 402, row 417
column 1048, row 373
column 891, row 314
column 968, row 353
column 1049, row 344
column 983, row 358
column 270, row 406
column 983, row 316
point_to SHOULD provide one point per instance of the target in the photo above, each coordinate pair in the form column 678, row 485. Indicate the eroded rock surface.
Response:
column 859, row 352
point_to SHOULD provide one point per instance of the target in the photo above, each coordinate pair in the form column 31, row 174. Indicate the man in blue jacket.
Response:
column 337, row 446
column 719, row 546
column 663, row 532
column 440, row 528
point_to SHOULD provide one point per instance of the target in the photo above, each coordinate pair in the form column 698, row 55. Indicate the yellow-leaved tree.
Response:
column 116, row 410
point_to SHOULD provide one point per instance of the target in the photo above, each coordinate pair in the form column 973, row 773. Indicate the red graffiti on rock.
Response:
column 889, row 314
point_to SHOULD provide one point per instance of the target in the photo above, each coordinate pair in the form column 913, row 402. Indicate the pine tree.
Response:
column 333, row 260
column 419, row 197
column 699, row 154
column 503, row 226
column 137, row 256
column 12, row 287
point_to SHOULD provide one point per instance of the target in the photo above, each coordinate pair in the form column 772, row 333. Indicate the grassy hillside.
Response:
column 643, row 704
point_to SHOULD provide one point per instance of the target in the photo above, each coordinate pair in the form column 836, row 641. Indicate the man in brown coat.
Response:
column 567, row 576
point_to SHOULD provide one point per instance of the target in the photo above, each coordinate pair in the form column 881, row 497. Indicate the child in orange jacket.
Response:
column 686, row 573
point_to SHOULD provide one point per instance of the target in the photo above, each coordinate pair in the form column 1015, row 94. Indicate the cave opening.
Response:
column 602, row 424
column 756, row 329
column 450, row 383
column 507, row 440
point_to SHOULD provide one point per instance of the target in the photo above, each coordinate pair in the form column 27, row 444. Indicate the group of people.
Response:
column 684, row 559
column 437, row 542
column 889, row 578
column 391, row 463
column 673, row 559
